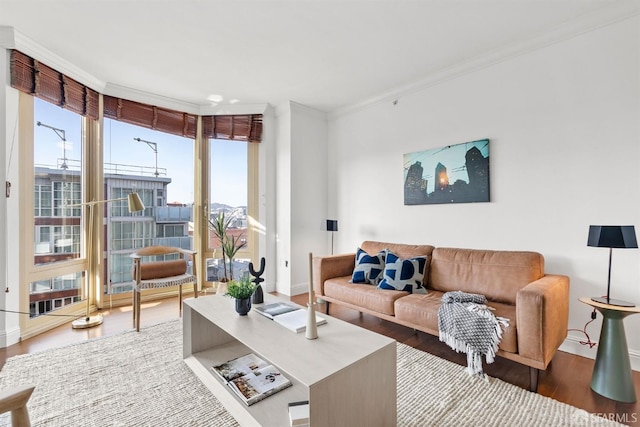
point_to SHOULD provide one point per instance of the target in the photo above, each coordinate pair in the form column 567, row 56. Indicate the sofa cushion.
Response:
column 498, row 275
column 368, row 268
column 402, row 250
column 365, row 296
column 403, row 274
column 422, row 310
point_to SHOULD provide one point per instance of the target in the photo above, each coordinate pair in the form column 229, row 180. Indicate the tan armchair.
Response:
column 168, row 268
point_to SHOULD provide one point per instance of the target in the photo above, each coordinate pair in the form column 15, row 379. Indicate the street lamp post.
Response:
column 154, row 147
column 62, row 135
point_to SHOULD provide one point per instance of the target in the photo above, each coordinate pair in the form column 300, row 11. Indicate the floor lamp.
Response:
column 135, row 205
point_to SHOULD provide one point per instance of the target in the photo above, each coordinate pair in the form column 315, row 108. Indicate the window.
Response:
column 58, row 132
column 228, row 188
column 57, row 157
column 159, row 167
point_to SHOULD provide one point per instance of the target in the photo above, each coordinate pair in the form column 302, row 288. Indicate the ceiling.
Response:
column 325, row 54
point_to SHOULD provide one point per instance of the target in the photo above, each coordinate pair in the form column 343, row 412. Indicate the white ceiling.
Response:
column 326, row 54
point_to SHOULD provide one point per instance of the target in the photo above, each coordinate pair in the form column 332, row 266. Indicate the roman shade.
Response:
column 150, row 116
column 33, row 77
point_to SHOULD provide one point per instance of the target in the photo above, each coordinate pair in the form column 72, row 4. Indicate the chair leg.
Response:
column 138, row 298
column 180, row 299
column 15, row 400
column 133, row 304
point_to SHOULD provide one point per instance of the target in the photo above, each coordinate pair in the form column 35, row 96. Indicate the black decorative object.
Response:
column 258, row 296
column 612, row 236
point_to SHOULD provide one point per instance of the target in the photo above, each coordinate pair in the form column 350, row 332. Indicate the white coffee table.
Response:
column 348, row 374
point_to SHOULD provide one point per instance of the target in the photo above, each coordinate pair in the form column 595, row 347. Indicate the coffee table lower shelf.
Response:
column 272, row 410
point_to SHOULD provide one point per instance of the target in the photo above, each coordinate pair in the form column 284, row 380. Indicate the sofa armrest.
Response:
column 328, row 267
column 542, row 313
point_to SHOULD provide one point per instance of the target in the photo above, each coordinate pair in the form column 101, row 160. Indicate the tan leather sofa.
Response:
column 515, row 284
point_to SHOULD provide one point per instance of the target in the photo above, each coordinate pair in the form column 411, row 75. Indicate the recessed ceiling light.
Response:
column 215, row 98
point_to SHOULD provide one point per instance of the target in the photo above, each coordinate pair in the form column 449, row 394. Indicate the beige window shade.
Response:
column 33, row 77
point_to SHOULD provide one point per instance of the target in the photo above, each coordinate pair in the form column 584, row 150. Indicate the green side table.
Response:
column 612, row 374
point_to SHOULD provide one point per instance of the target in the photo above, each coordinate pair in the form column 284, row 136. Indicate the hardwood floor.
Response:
column 567, row 379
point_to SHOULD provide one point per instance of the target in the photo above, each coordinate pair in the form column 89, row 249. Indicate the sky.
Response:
column 175, row 154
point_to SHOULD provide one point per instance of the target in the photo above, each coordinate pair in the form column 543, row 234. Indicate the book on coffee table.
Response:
column 238, row 367
column 275, row 309
column 296, row 321
column 258, row 384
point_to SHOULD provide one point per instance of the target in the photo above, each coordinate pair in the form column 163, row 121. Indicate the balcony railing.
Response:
column 178, row 242
column 174, row 214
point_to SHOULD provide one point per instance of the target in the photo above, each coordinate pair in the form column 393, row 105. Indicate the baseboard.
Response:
column 300, row 288
column 572, row 345
column 9, row 337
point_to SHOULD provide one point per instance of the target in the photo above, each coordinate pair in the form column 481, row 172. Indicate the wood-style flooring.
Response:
column 567, row 379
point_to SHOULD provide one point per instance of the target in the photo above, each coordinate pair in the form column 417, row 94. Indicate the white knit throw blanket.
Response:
column 467, row 325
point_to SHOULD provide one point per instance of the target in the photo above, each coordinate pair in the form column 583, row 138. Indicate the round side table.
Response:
column 612, row 375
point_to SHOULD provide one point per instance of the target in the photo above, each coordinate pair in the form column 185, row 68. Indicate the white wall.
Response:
column 9, row 238
column 301, row 198
column 564, row 125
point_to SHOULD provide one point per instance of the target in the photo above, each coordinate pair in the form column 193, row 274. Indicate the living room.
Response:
column 560, row 108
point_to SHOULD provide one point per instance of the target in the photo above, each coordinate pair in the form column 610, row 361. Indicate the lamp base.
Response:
column 87, row 322
column 611, row 301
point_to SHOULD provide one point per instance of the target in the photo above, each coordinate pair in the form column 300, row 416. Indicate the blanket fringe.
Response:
column 474, row 356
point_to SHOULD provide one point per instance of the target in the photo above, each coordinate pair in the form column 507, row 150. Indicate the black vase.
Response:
column 258, row 296
column 243, row 306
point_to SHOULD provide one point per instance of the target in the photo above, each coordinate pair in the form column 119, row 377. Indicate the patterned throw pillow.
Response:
column 403, row 274
column 368, row 268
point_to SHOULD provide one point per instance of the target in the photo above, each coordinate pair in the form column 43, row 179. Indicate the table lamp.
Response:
column 612, row 236
column 332, row 226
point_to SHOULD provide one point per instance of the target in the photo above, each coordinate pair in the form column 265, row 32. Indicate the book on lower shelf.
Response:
column 296, row 321
column 299, row 413
column 238, row 367
column 251, row 377
column 258, row 384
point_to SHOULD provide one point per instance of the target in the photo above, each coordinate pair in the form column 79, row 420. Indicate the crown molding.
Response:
column 288, row 107
column 10, row 38
column 150, row 98
column 602, row 17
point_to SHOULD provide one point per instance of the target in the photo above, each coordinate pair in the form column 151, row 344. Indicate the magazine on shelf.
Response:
column 296, row 321
column 259, row 384
column 275, row 309
column 238, row 367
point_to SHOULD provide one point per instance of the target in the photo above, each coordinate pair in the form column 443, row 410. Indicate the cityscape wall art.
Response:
column 451, row 174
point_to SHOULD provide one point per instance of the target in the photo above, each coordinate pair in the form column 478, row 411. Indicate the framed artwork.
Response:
column 452, row 174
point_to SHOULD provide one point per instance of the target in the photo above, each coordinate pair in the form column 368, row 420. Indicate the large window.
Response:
column 140, row 150
column 228, row 195
column 57, row 159
column 57, row 220
column 160, row 168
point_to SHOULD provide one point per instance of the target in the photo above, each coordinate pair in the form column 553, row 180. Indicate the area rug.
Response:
column 139, row 379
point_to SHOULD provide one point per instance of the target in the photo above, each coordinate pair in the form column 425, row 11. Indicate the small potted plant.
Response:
column 241, row 290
